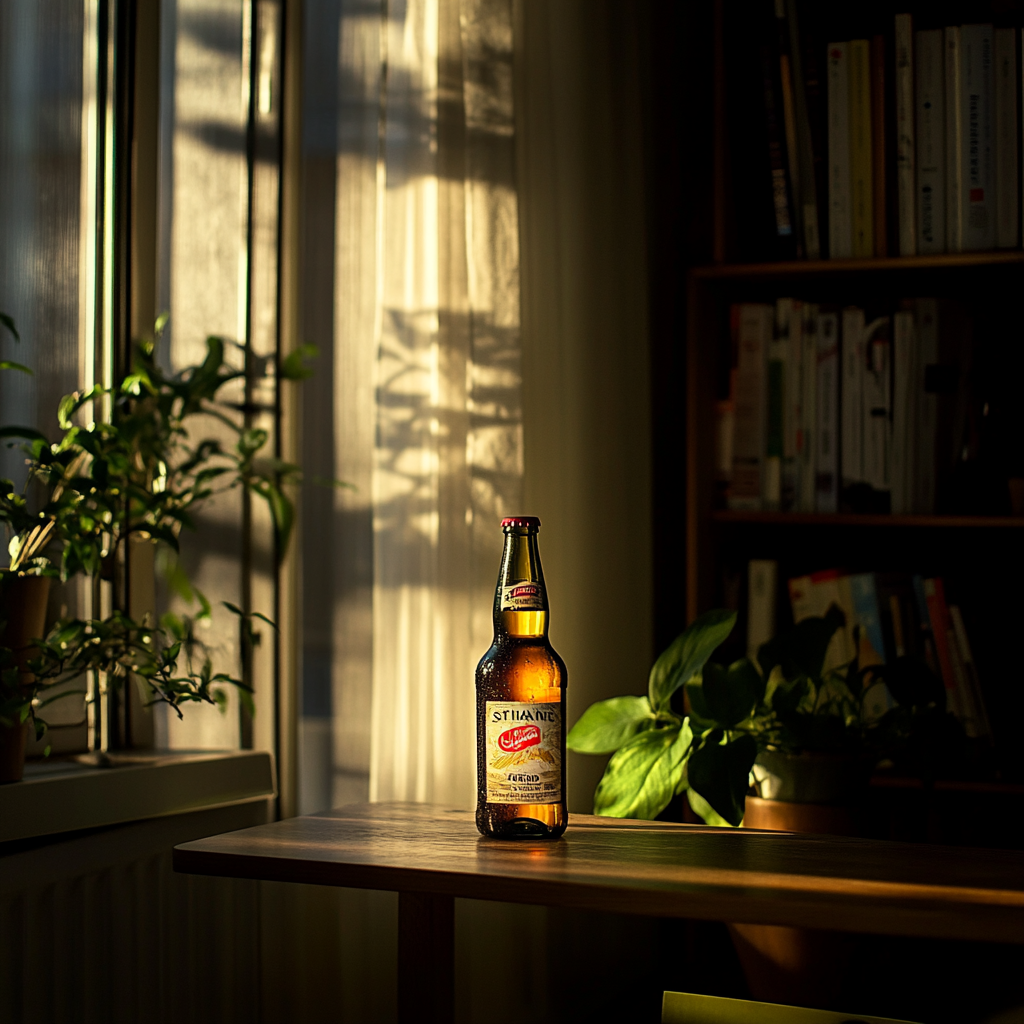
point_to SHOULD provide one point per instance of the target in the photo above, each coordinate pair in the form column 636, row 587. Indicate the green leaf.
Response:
column 801, row 650
column 731, row 694
column 28, row 433
column 719, row 770
column 642, row 776
column 607, row 725
column 8, row 322
column 293, row 366
column 701, row 807
column 10, row 364
column 687, row 654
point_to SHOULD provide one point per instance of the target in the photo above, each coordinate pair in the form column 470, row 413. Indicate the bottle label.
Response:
column 524, row 752
column 522, row 597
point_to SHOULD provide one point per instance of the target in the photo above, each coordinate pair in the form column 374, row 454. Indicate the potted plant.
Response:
column 138, row 475
column 783, row 742
column 786, row 726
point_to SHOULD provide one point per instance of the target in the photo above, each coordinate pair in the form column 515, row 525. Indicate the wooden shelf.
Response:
column 853, row 519
column 810, row 268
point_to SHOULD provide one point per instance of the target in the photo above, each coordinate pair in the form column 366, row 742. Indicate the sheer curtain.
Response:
column 426, row 374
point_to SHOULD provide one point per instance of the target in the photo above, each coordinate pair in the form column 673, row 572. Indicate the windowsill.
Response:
column 65, row 796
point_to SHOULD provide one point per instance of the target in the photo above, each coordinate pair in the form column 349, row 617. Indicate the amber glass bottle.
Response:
column 520, row 703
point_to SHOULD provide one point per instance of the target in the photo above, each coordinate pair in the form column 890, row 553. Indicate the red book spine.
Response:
column 938, row 613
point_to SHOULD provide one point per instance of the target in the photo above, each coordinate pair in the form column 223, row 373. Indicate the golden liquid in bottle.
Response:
column 522, row 667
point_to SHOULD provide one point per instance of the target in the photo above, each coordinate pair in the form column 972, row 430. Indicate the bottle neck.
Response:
column 521, row 599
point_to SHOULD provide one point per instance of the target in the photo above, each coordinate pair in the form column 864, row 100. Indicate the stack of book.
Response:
column 888, row 616
column 831, row 409
column 901, row 143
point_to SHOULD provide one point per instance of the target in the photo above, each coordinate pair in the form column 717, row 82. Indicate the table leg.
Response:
column 426, row 958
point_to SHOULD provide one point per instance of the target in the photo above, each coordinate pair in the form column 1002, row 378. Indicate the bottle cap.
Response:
column 523, row 521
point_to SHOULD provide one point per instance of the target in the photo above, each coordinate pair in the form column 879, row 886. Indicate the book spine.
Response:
column 851, row 391
column 840, row 223
column 877, row 404
column 984, row 725
column 924, row 626
column 954, row 142
column 793, row 415
column 781, row 184
column 754, row 333
column 808, row 197
column 905, row 186
column 879, row 204
column 826, row 446
column 926, row 405
column 1007, row 208
column 861, row 167
column 977, row 199
column 815, row 69
column 808, row 412
column 938, row 618
column 902, row 412
column 865, row 606
column 762, row 587
column 930, row 153
column 775, row 438
column 787, row 92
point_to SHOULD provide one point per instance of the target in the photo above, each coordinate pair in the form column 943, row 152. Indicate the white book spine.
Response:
column 750, row 415
column 903, row 393
column 876, row 399
column 1007, row 215
column 905, row 185
column 826, row 440
column 977, row 199
column 930, row 152
column 954, row 139
column 808, row 413
column 793, row 399
column 840, row 225
column 762, row 586
column 926, row 324
column 851, row 397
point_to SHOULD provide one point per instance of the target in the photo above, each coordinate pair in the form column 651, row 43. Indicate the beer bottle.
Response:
column 520, row 703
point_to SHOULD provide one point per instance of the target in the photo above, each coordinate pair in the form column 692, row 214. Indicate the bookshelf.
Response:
column 981, row 555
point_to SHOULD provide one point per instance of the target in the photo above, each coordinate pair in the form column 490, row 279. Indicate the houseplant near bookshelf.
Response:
column 783, row 742
column 135, row 479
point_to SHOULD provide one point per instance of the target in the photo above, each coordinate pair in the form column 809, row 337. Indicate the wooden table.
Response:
column 430, row 855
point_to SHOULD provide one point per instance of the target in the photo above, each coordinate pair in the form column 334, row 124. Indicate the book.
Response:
column 808, row 402
column 876, row 397
column 812, row 596
column 896, row 607
column 840, row 219
column 826, row 400
column 775, row 436
column 904, row 394
column 851, row 397
column 789, row 326
column 867, row 618
column 861, row 164
column 938, row 617
column 879, row 150
column 930, row 151
column 754, row 325
column 762, row 584
column 786, row 93
column 1005, row 131
column 807, row 196
column 815, row 68
column 925, row 423
column 924, row 628
column 977, row 159
column 782, row 195
column 954, row 142
column 905, row 138
column 982, row 725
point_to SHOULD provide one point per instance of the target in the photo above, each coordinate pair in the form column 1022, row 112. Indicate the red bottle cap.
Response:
column 524, row 521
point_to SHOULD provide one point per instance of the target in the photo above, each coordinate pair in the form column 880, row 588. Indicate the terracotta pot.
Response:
column 23, row 610
column 798, row 966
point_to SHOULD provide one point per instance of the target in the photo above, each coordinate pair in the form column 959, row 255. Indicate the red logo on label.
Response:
column 528, row 591
column 519, row 738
